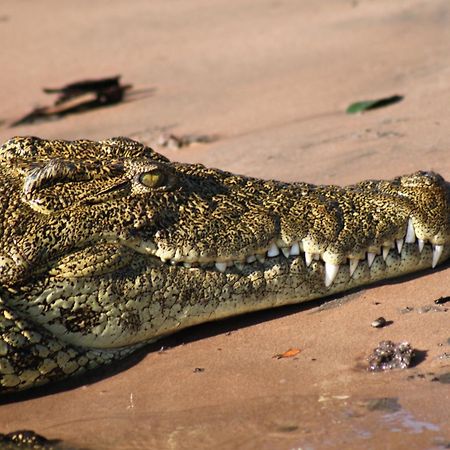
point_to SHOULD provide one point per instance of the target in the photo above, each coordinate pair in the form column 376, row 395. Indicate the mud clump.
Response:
column 389, row 355
column 27, row 439
column 386, row 404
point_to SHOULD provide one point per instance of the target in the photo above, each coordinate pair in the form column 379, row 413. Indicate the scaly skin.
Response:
column 108, row 245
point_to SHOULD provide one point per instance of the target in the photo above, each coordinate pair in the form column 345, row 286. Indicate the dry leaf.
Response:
column 288, row 353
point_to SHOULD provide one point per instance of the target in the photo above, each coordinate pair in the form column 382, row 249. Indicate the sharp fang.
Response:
column 353, row 265
column 386, row 251
column 295, row 249
column 410, row 233
column 420, row 243
column 273, row 251
column 437, row 252
column 285, row 251
column 221, row 266
column 331, row 271
column 370, row 258
column 261, row 258
column 251, row 258
column 308, row 258
column 399, row 243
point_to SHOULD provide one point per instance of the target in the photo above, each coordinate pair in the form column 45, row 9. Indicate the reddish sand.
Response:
column 272, row 79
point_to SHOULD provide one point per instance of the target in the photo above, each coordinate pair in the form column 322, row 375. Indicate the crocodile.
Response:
column 107, row 246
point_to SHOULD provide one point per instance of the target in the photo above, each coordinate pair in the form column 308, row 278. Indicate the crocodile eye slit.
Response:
column 151, row 179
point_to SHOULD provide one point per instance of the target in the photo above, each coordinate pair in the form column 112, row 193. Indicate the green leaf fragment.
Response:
column 367, row 105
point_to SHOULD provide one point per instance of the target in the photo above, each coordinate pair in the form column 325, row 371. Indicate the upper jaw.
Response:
column 296, row 248
column 338, row 226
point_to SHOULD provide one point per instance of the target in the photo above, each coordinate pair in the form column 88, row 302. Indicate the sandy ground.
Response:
column 272, row 79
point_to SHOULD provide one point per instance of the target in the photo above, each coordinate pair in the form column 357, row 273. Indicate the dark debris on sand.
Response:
column 389, row 355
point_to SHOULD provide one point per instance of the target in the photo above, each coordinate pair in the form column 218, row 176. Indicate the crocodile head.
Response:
column 108, row 244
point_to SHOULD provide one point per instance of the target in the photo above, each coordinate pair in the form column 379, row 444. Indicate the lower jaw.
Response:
column 189, row 296
column 298, row 283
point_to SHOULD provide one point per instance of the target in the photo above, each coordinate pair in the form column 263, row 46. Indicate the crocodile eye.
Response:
column 152, row 179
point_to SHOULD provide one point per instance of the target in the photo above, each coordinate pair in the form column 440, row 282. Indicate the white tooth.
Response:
column 273, row 251
column 420, row 243
column 308, row 258
column 370, row 258
column 399, row 243
column 260, row 258
column 386, row 251
column 187, row 265
column 353, row 265
column 221, row 266
column 285, row 251
column 410, row 233
column 304, row 244
column 437, row 252
column 295, row 249
column 331, row 271
column 251, row 258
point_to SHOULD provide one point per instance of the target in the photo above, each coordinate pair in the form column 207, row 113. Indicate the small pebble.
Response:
column 379, row 323
column 199, row 369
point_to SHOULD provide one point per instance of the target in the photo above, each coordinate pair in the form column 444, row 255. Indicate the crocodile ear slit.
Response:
column 53, row 185
column 44, row 174
column 53, row 171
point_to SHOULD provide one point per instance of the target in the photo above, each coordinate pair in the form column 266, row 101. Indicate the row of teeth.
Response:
column 331, row 270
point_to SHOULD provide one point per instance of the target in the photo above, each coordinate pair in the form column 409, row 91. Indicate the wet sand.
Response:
column 272, row 80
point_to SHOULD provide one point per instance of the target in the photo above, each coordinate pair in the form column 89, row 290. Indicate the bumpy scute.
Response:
column 108, row 245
